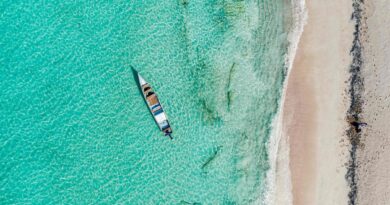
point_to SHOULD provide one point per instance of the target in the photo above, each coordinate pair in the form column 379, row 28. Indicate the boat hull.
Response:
column 154, row 106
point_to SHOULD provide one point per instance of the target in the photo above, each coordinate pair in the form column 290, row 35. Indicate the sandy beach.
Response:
column 318, row 98
column 373, row 154
column 315, row 106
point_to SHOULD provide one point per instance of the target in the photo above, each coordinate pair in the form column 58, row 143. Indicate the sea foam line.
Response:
column 279, row 187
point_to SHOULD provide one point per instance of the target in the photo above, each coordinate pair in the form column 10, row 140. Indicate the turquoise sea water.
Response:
column 74, row 128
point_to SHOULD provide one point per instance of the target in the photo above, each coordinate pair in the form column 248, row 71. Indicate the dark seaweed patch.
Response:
column 185, row 28
column 184, row 2
column 192, row 203
column 212, row 157
column 229, row 96
column 355, row 92
column 210, row 115
column 229, row 93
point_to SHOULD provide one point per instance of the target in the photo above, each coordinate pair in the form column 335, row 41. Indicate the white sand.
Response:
column 315, row 106
column 374, row 157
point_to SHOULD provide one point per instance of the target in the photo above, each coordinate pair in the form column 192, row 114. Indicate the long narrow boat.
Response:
column 154, row 106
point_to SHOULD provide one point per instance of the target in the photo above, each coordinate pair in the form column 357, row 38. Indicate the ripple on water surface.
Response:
column 74, row 127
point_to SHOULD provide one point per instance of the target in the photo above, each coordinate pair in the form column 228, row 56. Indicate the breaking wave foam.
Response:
column 279, row 188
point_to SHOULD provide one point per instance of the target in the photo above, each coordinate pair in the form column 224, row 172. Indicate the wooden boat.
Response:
column 154, row 105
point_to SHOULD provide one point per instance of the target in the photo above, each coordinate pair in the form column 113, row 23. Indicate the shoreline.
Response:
column 312, row 114
column 278, row 177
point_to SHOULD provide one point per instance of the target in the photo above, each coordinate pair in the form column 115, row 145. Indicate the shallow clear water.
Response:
column 73, row 125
